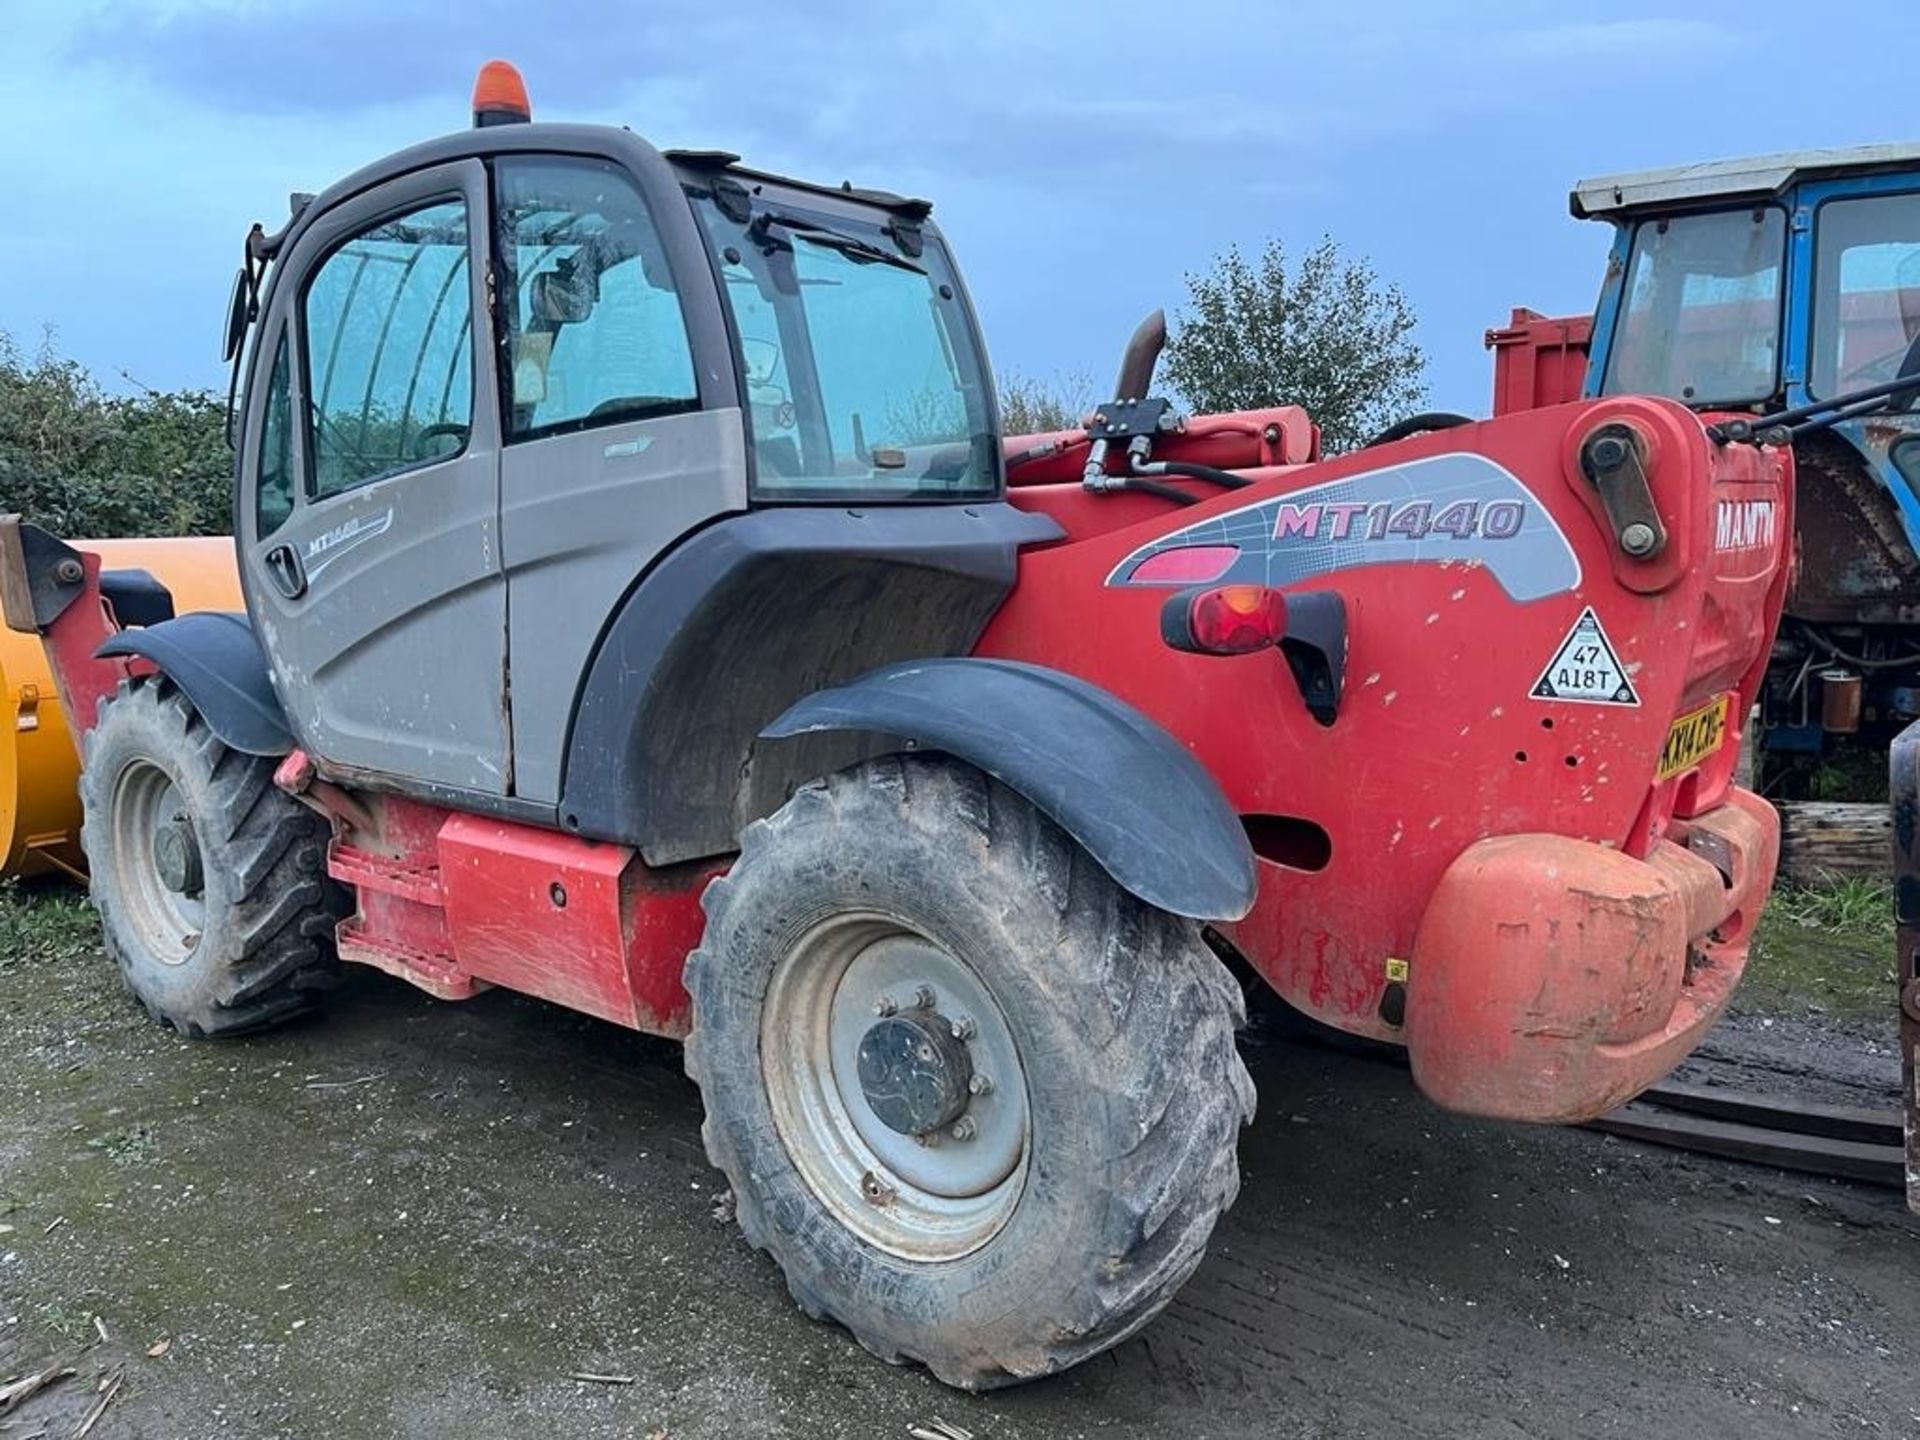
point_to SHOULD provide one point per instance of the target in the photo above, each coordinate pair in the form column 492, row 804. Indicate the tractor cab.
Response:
column 1784, row 283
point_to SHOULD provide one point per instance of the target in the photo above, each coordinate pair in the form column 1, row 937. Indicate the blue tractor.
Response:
column 1788, row 287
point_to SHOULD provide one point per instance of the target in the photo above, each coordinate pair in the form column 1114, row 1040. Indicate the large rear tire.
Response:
column 979, row 1103
column 211, row 883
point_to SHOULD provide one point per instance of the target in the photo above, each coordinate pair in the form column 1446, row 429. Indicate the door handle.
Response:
column 289, row 576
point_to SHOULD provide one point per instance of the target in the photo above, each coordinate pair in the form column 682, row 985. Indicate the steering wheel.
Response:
column 1910, row 365
column 427, row 433
column 1896, row 365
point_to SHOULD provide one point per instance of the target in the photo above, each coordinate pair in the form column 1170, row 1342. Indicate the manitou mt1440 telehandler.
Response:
column 643, row 611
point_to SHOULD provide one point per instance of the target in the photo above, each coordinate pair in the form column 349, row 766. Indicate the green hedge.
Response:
column 85, row 463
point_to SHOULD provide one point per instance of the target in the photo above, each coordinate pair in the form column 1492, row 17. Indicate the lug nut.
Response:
column 923, row 998
column 964, row 1028
column 964, row 1128
column 886, row 1005
column 980, row 1085
column 1637, row 538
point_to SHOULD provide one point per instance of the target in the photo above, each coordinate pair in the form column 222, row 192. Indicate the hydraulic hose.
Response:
column 1224, row 478
column 1418, row 425
column 1154, row 487
column 1042, row 451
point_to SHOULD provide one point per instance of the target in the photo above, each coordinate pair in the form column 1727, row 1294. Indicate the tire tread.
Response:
column 1175, row 1088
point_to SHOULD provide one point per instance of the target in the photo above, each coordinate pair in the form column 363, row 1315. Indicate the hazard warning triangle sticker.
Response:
column 1585, row 668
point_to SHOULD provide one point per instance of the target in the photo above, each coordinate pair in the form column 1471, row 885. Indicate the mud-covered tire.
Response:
column 1124, row 1021
column 253, row 944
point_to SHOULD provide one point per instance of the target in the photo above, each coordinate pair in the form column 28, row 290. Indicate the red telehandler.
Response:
column 644, row 612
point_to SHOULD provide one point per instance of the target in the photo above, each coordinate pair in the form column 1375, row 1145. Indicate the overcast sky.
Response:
column 1082, row 156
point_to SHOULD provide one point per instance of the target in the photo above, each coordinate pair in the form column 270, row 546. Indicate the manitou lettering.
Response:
column 1743, row 525
column 1407, row 520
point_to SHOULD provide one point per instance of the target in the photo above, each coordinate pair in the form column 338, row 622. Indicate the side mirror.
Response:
column 563, row 295
column 239, row 315
column 762, row 359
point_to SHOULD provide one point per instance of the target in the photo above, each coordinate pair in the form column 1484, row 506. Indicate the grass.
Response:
column 1859, row 908
column 1856, row 775
column 1825, row 949
column 44, row 921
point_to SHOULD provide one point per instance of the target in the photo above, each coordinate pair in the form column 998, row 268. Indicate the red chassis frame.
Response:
column 1548, row 924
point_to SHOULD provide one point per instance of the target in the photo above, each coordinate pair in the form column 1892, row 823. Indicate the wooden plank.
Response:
column 1822, row 841
column 1846, row 1159
column 1778, row 1112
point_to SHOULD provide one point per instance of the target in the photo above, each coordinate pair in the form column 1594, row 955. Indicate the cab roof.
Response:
column 613, row 142
column 1758, row 177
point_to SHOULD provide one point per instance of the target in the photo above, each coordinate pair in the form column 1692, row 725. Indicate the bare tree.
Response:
column 1033, row 407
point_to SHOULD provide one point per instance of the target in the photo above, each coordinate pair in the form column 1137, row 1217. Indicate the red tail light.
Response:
column 1224, row 620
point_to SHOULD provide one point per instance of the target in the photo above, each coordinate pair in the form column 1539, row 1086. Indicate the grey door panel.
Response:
column 582, row 517
column 393, row 659
column 383, row 607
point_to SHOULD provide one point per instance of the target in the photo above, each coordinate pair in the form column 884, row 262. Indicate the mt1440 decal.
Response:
column 1451, row 509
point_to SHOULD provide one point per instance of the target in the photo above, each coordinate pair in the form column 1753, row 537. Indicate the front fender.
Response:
column 215, row 657
column 1115, row 781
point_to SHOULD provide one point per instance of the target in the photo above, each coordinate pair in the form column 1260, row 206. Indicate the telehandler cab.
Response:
column 644, row 612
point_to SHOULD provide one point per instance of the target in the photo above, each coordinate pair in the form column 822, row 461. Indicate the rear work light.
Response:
column 1224, row 619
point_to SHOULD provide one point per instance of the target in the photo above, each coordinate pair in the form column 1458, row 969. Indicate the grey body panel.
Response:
column 582, row 517
column 393, row 658
column 1115, row 781
column 746, row 617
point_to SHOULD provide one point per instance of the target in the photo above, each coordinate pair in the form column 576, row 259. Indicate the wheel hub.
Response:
column 176, row 855
column 897, row 1086
column 160, row 872
column 914, row 1072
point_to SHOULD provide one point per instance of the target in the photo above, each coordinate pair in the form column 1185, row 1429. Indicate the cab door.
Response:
column 614, row 447
column 369, row 502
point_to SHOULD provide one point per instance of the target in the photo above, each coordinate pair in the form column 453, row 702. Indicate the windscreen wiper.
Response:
column 859, row 251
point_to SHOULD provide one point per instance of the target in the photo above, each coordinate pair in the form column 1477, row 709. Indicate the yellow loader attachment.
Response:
column 39, row 805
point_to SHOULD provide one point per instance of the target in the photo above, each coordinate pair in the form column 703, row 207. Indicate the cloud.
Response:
column 317, row 58
column 1083, row 154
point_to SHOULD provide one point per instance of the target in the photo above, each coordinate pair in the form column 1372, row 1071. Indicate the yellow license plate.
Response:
column 1693, row 737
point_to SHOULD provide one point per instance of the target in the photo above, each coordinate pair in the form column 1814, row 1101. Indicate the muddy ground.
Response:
column 413, row 1218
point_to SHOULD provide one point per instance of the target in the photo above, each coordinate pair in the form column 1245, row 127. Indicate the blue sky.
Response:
column 1082, row 156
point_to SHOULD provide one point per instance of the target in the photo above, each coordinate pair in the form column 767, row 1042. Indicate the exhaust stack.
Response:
column 1142, row 354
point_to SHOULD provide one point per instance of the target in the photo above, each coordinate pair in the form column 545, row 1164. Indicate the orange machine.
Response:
column 39, row 806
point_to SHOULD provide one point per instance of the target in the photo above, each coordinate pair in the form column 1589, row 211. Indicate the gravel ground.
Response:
column 411, row 1218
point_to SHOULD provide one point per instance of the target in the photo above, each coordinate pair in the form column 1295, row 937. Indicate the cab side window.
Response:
column 273, row 495
column 593, row 332
column 389, row 353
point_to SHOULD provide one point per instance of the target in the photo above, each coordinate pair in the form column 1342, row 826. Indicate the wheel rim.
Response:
column 149, row 817
column 849, row 984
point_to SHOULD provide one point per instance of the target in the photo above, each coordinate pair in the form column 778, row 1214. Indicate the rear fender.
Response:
column 1119, row 784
